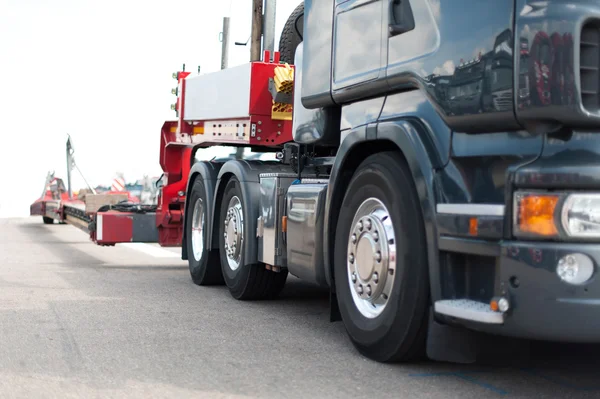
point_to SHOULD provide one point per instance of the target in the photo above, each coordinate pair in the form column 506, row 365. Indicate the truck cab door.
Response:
column 359, row 42
column 411, row 35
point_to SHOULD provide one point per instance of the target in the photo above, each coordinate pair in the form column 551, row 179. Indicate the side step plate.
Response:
column 468, row 309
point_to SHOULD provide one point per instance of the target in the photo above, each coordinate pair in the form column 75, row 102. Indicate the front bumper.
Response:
column 542, row 305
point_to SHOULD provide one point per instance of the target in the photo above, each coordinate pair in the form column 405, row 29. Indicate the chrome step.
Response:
column 468, row 309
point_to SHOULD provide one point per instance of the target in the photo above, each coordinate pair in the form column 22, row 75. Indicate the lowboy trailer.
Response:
column 423, row 174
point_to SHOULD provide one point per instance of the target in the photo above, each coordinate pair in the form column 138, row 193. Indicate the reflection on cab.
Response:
column 482, row 84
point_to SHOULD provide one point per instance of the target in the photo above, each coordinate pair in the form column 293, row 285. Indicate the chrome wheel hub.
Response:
column 198, row 229
column 234, row 233
column 371, row 257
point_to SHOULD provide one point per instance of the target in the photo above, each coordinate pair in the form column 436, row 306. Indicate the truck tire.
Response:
column 47, row 220
column 291, row 35
column 380, row 262
column 245, row 282
column 203, row 261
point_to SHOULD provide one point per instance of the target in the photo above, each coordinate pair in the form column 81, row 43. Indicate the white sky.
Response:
column 101, row 72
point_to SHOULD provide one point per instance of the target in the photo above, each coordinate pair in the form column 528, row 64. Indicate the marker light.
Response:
column 575, row 268
column 534, row 214
column 499, row 304
column 581, row 215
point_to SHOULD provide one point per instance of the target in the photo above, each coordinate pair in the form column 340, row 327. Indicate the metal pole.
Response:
column 255, row 38
column 225, row 43
column 69, row 166
column 269, row 26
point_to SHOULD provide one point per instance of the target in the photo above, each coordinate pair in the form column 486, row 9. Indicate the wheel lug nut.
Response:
column 353, row 238
column 360, row 226
column 368, row 224
column 375, row 277
column 351, row 258
column 378, row 256
column 368, row 290
column 375, row 236
column 354, row 277
column 359, row 289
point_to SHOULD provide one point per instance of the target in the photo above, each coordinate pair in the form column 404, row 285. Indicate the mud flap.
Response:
column 452, row 344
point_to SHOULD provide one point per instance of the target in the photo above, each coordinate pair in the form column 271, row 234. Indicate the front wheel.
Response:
column 47, row 220
column 380, row 262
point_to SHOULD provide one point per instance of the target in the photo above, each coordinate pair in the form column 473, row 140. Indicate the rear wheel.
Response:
column 203, row 261
column 380, row 263
column 252, row 281
column 47, row 220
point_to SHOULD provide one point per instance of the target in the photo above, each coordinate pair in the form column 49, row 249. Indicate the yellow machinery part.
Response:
column 281, row 111
column 284, row 79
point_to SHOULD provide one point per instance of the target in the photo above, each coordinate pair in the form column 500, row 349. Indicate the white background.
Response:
column 101, row 72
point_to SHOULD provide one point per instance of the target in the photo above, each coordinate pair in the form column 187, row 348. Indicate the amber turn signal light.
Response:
column 535, row 214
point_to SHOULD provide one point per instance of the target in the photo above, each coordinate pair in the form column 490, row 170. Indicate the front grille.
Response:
column 589, row 60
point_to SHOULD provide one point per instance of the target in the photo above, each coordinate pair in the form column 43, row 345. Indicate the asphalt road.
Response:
column 78, row 320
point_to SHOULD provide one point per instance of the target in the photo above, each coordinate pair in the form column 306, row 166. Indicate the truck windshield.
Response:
column 501, row 79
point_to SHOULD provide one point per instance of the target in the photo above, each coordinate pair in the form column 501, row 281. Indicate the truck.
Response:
column 433, row 220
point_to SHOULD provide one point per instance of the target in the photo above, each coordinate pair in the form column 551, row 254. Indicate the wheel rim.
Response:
column 371, row 258
column 234, row 233
column 198, row 229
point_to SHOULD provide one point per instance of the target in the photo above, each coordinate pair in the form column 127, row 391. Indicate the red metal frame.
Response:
column 176, row 147
column 120, row 230
column 179, row 105
column 175, row 161
column 57, row 197
column 177, row 142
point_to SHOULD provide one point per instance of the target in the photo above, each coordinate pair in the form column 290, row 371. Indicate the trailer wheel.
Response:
column 47, row 220
column 291, row 35
column 245, row 282
column 203, row 261
column 380, row 263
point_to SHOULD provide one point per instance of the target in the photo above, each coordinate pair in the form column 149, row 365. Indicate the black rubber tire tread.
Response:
column 47, row 220
column 248, row 282
column 206, row 271
column 399, row 333
column 290, row 36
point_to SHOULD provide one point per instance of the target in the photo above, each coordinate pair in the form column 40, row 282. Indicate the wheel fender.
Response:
column 208, row 172
column 248, row 174
column 406, row 135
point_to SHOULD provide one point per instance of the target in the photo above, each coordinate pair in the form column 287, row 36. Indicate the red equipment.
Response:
column 202, row 120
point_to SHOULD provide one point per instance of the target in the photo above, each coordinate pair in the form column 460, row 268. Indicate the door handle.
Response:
column 398, row 29
column 400, row 17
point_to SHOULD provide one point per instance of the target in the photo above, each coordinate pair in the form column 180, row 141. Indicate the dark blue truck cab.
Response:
column 447, row 170
column 494, row 106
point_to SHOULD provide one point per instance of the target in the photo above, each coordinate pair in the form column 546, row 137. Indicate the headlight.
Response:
column 556, row 214
column 581, row 215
